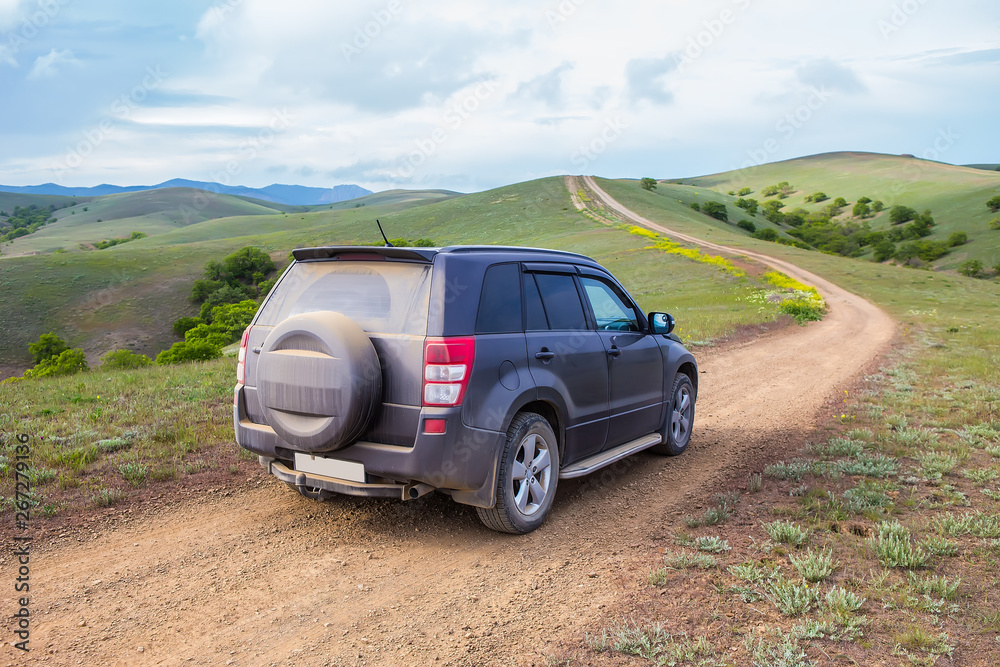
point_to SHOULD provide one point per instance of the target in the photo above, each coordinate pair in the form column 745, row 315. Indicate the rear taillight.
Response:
column 447, row 368
column 241, row 360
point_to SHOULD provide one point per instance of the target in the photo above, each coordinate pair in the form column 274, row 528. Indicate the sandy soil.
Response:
column 257, row 575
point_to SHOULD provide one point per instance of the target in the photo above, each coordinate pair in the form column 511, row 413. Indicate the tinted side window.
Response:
column 561, row 301
column 535, row 313
column 500, row 303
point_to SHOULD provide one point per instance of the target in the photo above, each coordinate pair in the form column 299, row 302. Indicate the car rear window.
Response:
column 381, row 297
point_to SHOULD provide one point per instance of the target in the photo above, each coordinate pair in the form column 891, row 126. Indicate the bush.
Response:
column 994, row 204
column 48, row 345
column 715, row 210
column 648, row 183
column 747, row 225
column 69, row 362
column 995, row 224
column 744, row 192
column 817, row 197
column 878, row 206
column 185, row 324
column 803, row 310
column 957, row 239
column 766, row 234
column 972, row 268
column 748, row 205
column 124, row 359
column 185, row 351
column 900, row 214
column 884, row 250
column 695, row 206
column 927, row 251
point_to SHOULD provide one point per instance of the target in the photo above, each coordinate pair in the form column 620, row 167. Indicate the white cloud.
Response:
column 9, row 12
column 48, row 66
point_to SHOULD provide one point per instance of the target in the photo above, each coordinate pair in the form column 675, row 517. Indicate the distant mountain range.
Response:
column 293, row 195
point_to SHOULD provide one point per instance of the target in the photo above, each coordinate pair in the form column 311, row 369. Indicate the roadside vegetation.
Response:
column 879, row 541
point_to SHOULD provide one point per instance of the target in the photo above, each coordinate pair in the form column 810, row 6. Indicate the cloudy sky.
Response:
column 471, row 95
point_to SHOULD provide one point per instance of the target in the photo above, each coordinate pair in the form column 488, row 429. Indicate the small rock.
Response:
column 140, row 649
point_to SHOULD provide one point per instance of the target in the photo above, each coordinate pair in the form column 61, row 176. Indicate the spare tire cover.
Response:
column 319, row 381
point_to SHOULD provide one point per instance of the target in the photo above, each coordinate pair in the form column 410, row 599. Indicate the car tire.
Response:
column 527, row 479
column 319, row 381
column 676, row 432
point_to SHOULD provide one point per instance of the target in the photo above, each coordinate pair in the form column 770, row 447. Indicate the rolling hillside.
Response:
column 150, row 212
column 128, row 296
column 955, row 195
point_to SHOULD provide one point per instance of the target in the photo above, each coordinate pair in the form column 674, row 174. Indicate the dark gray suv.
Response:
column 487, row 373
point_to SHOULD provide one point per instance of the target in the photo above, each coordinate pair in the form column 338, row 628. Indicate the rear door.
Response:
column 566, row 357
column 634, row 360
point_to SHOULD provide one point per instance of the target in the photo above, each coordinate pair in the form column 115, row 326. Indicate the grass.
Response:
column 892, row 545
column 652, row 642
column 785, row 532
column 814, row 566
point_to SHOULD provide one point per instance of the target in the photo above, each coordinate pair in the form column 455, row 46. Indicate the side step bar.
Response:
column 598, row 461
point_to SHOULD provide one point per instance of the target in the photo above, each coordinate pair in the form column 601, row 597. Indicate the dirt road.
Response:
column 258, row 575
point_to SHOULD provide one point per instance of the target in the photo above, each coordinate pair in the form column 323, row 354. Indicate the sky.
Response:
column 473, row 95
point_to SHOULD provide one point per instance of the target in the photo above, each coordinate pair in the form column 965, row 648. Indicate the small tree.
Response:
column 49, row 345
column 994, row 204
column 648, row 183
column 884, row 250
column 748, row 205
column 747, row 225
column 972, row 268
column 68, row 362
column 766, row 234
column 816, row 197
column 878, row 206
column 716, row 210
column 957, row 239
column 995, row 224
column 743, row 192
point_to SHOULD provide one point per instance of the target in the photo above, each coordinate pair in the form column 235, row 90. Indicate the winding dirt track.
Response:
column 259, row 575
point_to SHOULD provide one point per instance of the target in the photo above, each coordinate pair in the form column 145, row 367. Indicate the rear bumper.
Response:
column 462, row 461
column 308, row 482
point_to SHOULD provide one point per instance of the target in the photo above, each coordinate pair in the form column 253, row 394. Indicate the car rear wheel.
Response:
column 529, row 474
column 680, row 418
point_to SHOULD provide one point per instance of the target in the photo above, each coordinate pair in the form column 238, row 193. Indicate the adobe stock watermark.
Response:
column 366, row 34
column 453, row 118
column 714, row 28
column 587, row 153
column 899, row 16
column 944, row 140
column 31, row 25
column 562, row 12
column 121, row 108
column 248, row 149
column 787, row 126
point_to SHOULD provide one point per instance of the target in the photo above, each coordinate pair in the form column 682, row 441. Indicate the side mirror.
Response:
column 661, row 323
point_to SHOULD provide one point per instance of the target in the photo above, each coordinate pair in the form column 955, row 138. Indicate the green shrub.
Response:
column 766, row 234
column 715, row 210
column 48, row 345
column 695, row 206
column 893, row 548
column 957, row 239
column 803, row 310
column 747, row 225
column 124, row 359
column 744, row 192
column 785, row 532
column 185, row 324
column 973, row 268
column 814, row 565
column 184, row 351
column 817, row 197
column 748, row 205
column 69, row 362
column 995, row 224
column 134, row 473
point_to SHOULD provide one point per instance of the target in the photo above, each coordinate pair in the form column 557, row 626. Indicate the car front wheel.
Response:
column 529, row 474
column 680, row 418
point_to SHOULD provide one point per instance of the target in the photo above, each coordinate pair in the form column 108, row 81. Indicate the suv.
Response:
column 487, row 373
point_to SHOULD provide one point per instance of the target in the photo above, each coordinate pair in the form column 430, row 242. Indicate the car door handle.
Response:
column 545, row 354
column 615, row 351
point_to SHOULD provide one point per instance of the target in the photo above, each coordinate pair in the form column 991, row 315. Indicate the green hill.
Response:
column 955, row 195
column 129, row 295
column 150, row 212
